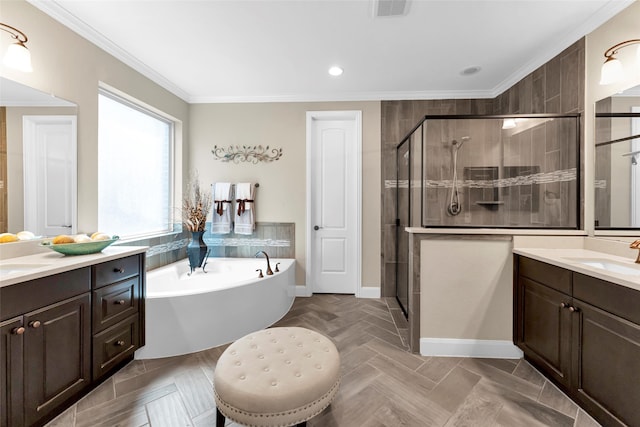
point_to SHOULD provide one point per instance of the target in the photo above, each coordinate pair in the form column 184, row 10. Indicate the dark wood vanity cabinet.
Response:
column 46, row 352
column 62, row 334
column 586, row 338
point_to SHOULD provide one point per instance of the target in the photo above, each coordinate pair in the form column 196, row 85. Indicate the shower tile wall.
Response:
column 277, row 239
column 555, row 87
column 603, row 165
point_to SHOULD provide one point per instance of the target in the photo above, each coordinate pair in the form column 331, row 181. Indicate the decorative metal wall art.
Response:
column 246, row 153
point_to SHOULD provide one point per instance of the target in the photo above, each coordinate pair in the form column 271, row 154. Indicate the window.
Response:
column 134, row 168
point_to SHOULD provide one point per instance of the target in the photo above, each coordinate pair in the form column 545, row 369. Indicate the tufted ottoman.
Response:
column 276, row 377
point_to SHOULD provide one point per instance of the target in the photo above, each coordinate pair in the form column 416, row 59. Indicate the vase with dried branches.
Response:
column 195, row 207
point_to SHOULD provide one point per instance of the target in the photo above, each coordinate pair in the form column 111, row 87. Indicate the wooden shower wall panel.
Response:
column 4, row 207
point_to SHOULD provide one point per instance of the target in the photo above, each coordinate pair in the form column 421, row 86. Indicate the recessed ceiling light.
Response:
column 470, row 70
column 336, row 71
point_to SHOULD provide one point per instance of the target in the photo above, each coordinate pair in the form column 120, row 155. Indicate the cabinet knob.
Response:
column 564, row 305
column 118, row 270
column 120, row 343
column 574, row 309
column 18, row 331
column 120, row 302
column 34, row 324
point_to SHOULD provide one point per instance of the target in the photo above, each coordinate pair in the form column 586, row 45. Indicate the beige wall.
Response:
column 621, row 27
column 70, row 67
column 281, row 196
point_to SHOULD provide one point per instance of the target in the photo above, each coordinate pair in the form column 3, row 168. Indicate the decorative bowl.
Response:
column 79, row 248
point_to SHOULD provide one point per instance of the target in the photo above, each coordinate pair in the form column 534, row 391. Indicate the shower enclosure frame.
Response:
column 421, row 146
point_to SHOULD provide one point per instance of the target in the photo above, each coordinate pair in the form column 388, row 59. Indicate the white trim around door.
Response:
column 356, row 117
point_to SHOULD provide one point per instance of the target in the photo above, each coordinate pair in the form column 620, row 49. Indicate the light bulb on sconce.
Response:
column 612, row 70
column 17, row 55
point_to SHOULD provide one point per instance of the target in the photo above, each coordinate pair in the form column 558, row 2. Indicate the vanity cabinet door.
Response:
column 11, row 336
column 57, row 355
column 545, row 328
column 607, row 365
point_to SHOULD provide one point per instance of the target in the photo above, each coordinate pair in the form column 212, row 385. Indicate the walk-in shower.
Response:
column 475, row 172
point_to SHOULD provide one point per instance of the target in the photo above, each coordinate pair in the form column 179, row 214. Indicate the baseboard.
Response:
column 368, row 292
column 451, row 347
column 303, row 291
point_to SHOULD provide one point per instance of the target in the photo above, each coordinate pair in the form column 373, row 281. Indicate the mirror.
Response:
column 617, row 159
column 23, row 110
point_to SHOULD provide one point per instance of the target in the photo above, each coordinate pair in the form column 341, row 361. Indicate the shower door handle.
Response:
column 316, row 228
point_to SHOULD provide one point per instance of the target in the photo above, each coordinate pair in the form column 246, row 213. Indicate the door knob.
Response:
column 316, row 228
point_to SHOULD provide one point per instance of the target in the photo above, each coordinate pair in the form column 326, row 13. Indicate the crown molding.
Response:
column 66, row 18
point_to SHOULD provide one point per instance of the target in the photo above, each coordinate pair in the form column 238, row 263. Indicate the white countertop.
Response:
column 568, row 259
column 499, row 231
column 39, row 265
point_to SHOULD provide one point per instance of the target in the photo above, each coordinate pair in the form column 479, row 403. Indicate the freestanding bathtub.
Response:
column 185, row 314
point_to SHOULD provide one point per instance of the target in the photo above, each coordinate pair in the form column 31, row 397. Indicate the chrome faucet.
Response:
column 269, row 271
column 636, row 245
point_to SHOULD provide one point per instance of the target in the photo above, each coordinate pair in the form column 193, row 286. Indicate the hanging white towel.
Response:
column 245, row 208
column 221, row 211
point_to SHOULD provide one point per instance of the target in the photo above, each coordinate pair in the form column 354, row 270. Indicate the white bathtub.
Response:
column 185, row 314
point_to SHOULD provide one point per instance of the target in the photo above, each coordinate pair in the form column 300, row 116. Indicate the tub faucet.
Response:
column 636, row 245
column 269, row 271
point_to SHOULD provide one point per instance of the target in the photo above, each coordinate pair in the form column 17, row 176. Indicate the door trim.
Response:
column 356, row 117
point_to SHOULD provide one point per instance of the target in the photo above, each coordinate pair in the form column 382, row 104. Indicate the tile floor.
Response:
column 382, row 384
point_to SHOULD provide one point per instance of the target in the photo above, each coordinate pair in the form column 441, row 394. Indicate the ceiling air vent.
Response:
column 390, row 7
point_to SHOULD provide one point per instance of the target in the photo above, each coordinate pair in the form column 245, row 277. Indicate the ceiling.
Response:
column 280, row 50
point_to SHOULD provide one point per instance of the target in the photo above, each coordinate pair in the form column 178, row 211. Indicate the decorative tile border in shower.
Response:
column 537, row 178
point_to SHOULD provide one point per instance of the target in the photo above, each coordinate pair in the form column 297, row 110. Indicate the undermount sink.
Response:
column 609, row 265
column 19, row 268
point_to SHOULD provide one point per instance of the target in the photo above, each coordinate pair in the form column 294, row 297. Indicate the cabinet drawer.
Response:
column 615, row 299
column 114, row 345
column 27, row 296
column 115, row 271
column 115, row 302
column 549, row 275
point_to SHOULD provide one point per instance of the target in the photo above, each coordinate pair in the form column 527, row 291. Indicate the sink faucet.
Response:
column 636, row 245
column 269, row 271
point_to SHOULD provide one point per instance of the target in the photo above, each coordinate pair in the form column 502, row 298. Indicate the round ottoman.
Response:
column 276, row 377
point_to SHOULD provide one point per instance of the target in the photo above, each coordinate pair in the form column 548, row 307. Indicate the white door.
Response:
column 334, row 146
column 50, row 174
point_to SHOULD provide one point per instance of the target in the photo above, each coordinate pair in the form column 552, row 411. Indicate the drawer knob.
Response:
column 120, row 302
column 120, row 343
column 18, row 331
column 574, row 309
column 34, row 324
column 118, row 270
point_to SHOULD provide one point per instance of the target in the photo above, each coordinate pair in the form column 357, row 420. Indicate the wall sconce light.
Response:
column 17, row 56
column 611, row 71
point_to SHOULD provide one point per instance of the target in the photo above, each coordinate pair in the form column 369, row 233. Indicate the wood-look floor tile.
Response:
column 355, row 381
column 384, row 324
column 436, row 368
column 105, row 392
column 554, row 398
column 395, row 413
column 454, row 388
column 168, row 411
column 65, row 419
column 393, row 339
column 409, row 360
column 525, row 371
column 507, row 365
column 123, row 408
column 475, row 411
column 196, row 390
column 132, row 369
column 584, row 420
column 352, row 412
column 501, row 377
column 356, row 357
column 400, row 374
column 415, row 399
column 399, row 319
